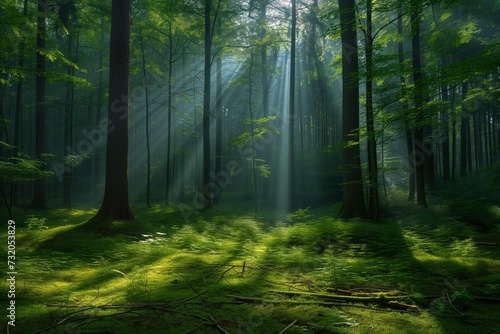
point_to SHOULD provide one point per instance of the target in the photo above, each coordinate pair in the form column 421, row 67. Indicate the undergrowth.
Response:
column 166, row 275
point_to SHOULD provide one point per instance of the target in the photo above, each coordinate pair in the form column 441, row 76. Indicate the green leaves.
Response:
column 260, row 128
column 22, row 170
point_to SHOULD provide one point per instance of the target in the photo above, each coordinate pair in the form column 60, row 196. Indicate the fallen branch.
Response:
column 255, row 300
column 288, row 327
column 331, row 297
column 381, row 299
column 364, row 294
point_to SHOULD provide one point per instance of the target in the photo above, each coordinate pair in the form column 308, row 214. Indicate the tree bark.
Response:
column 445, row 144
column 353, row 200
column 418, row 81
column 463, row 136
column 291, row 112
column 218, row 124
column 146, row 95
column 408, row 132
column 205, row 191
column 373, row 194
column 115, row 204
column 40, row 192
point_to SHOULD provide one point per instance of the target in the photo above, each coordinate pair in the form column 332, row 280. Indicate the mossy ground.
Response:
column 76, row 277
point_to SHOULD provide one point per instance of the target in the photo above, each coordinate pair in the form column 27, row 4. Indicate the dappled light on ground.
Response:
column 254, row 274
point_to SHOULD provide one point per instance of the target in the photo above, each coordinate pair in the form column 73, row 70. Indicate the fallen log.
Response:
column 363, row 294
column 351, row 299
column 395, row 305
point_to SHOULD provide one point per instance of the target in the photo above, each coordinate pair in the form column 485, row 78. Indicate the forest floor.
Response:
column 434, row 270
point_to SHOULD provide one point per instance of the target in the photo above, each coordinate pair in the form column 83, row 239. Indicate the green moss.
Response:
column 187, row 270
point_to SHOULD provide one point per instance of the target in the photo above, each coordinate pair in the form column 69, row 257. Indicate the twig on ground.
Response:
column 289, row 326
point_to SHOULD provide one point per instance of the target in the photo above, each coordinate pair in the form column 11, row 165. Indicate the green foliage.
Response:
column 464, row 248
column 22, row 170
column 301, row 215
column 36, row 224
column 260, row 128
column 175, row 263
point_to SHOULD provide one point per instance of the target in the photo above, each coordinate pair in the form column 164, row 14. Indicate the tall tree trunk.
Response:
column 115, row 204
column 68, row 8
column 148, row 149
column 40, row 192
column 18, row 118
column 353, row 199
column 218, row 124
column 478, row 141
column 168, row 176
column 291, row 112
column 445, row 141
column 418, row 80
column 463, row 135
column 373, row 194
column 265, row 89
column 100, row 88
column 205, row 191
column 408, row 132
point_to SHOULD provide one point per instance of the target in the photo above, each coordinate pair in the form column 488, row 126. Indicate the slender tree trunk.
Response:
column 68, row 110
column 40, row 192
column 353, row 199
column 478, row 142
column 168, row 176
column 148, row 149
column 291, row 112
column 265, row 91
column 418, row 80
column 408, row 132
column 100, row 88
column 445, row 142
column 115, row 204
column 252, row 132
column 18, row 118
column 205, row 191
column 373, row 194
column 463, row 136
column 218, row 124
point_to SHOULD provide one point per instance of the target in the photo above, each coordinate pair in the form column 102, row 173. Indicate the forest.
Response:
column 250, row 166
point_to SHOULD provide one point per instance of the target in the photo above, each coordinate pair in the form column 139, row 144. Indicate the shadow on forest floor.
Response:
column 165, row 275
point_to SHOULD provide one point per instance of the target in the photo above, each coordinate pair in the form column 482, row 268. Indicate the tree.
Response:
column 291, row 112
column 39, row 192
column 67, row 15
column 373, row 201
column 419, row 103
column 353, row 204
column 207, row 200
column 115, row 204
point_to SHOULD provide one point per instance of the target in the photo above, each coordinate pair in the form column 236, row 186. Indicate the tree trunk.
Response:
column 205, row 191
column 463, row 136
column 408, row 133
column 373, row 195
column 168, row 176
column 265, row 91
column 291, row 112
column 100, row 88
column 18, row 118
column 418, row 80
column 146, row 95
column 445, row 141
column 218, row 124
column 115, row 204
column 68, row 108
column 40, row 192
column 353, row 199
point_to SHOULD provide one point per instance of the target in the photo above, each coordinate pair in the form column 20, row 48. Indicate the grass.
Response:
column 162, row 274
